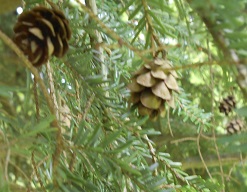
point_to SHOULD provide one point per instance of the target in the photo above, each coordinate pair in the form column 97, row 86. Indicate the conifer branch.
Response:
column 150, row 27
column 34, row 71
column 28, row 65
column 110, row 32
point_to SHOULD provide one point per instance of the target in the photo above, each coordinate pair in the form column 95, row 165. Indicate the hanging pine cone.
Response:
column 227, row 105
column 41, row 33
column 234, row 126
column 152, row 86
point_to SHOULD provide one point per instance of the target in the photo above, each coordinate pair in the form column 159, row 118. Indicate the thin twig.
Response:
column 213, row 120
column 20, row 170
column 37, row 173
column 150, row 27
column 226, row 176
column 39, row 164
column 7, row 159
column 168, row 122
column 72, row 161
column 152, row 152
column 184, row 139
column 49, row 72
column 200, row 154
column 59, row 139
column 36, row 98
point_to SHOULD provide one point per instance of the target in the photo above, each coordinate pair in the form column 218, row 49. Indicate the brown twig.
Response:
column 59, row 139
column 36, row 98
column 72, row 161
column 7, row 159
column 152, row 152
column 168, row 122
column 200, row 153
column 150, row 27
column 211, row 161
column 49, row 72
column 87, row 107
column 37, row 173
column 213, row 120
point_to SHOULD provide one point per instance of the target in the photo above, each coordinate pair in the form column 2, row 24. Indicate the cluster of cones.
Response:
column 226, row 106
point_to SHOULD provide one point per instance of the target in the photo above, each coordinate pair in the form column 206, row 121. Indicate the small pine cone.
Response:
column 41, row 33
column 227, row 105
column 234, row 126
column 152, row 86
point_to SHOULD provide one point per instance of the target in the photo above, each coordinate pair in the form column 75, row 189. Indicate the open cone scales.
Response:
column 42, row 32
column 152, row 86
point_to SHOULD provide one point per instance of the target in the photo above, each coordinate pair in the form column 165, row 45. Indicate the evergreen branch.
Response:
column 157, row 48
column 28, row 65
column 177, row 175
column 34, row 71
column 110, row 32
column 195, row 116
column 150, row 25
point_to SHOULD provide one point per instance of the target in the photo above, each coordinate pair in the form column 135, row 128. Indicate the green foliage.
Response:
column 89, row 139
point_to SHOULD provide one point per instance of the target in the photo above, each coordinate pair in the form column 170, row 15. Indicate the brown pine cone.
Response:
column 41, row 33
column 227, row 105
column 234, row 126
column 152, row 86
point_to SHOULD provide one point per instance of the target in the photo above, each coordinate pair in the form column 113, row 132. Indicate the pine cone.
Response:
column 152, row 86
column 41, row 33
column 234, row 126
column 227, row 105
